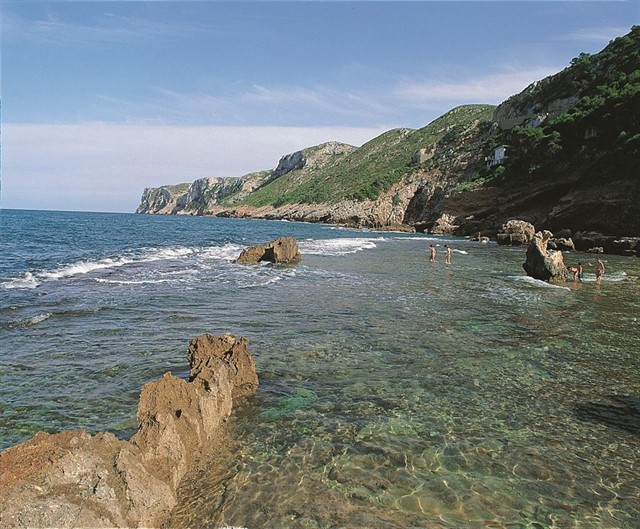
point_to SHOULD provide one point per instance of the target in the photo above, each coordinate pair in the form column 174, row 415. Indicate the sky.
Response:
column 101, row 99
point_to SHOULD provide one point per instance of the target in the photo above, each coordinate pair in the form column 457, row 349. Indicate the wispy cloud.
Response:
column 257, row 105
column 493, row 88
column 106, row 29
column 599, row 35
column 408, row 103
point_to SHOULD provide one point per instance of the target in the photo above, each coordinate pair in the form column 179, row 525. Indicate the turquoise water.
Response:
column 394, row 392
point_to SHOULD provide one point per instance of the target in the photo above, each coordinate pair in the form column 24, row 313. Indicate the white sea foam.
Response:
column 33, row 279
column 261, row 283
column 332, row 247
column 538, row 283
column 37, row 319
column 132, row 282
column 81, row 268
column 27, row 281
column 228, row 252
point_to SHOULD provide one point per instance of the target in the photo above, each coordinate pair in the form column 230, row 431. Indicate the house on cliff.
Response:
column 498, row 156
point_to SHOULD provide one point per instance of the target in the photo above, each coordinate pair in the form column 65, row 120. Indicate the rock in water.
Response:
column 283, row 250
column 74, row 479
column 542, row 263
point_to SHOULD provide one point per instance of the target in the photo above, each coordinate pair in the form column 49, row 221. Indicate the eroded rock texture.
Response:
column 74, row 479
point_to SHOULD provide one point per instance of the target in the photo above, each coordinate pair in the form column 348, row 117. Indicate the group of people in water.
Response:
column 577, row 271
column 578, row 274
column 447, row 254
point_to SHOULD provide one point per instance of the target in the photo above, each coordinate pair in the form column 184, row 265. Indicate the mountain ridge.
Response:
column 571, row 140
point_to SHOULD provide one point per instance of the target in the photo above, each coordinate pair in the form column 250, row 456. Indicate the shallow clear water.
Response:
column 394, row 392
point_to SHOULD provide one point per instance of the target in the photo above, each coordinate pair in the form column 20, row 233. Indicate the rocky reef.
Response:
column 75, row 479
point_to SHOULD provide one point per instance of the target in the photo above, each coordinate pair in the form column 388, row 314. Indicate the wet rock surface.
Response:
column 283, row 250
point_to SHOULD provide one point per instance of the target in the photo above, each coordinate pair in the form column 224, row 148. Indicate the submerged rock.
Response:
column 74, row 479
column 542, row 263
column 283, row 250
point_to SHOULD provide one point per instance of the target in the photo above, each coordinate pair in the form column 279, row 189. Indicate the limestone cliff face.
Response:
column 216, row 196
column 161, row 200
column 199, row 197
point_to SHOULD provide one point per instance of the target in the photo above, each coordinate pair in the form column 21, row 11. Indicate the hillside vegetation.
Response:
column 369, row 170
column 592, row 146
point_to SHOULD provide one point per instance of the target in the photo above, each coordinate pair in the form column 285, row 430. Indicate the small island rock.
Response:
column 542, row 263
column 283, row 250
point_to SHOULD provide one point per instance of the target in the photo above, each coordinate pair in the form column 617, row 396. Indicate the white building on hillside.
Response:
column 498, row 157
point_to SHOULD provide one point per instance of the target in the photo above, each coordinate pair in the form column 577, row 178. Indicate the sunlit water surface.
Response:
column 395, row 393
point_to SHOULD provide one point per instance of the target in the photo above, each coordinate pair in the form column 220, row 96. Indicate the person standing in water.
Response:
column 447, row 255
column 432, row 253
column 577, row 272
column 599, row 269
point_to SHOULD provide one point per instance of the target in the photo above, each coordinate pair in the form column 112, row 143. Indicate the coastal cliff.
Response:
column 561, row 155
column 74, row 479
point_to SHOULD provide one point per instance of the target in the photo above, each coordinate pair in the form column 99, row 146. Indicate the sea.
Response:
column 394, row 392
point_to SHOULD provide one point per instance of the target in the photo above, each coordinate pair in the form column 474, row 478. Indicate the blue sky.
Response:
column 102, row 99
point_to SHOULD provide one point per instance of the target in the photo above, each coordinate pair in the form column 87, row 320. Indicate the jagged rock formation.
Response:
column 542, row 263
column 572, row 141
column 74, row 479
column 162, row 199
column 283, row 250
column 201, row 197
column 585, row 241
column 516, row 233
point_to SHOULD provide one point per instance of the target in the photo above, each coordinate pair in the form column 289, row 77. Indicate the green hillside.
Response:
column 368, row 170
column 600, row 135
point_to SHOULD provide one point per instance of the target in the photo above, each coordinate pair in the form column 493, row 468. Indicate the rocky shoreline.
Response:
column 74, row 479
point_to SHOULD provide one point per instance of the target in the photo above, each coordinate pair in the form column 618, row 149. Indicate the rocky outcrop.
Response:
column 563, row 244
column 542, row 263
column 587, row 241
column 162, row 200
column 516, row 233
column 288, row 163
column 283, row 250
column 74, row 479
column 201, row 197
column 445, row 225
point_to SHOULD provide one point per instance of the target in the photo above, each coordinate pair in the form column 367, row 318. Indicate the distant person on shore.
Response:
column 580, row 273
column 432, row 253
column 599, row 269
column 447, row 255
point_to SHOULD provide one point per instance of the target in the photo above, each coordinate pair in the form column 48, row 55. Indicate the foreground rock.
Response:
column 542, row 263
column 74, row 479
column 283, row 250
